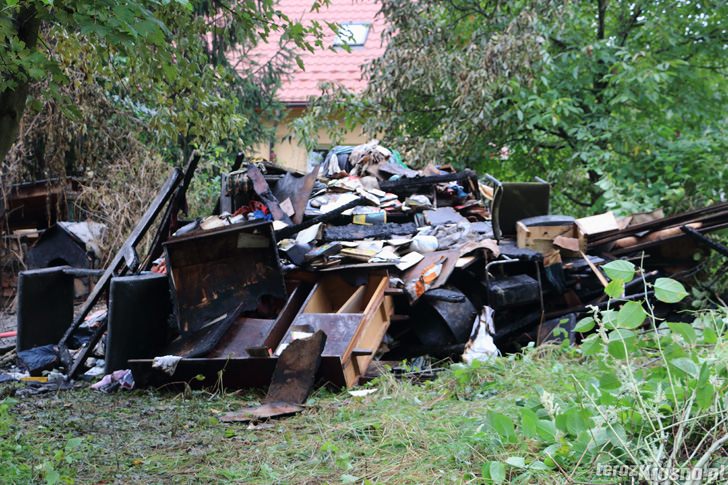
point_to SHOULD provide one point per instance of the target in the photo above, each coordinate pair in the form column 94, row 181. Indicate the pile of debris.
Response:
column 362, row 260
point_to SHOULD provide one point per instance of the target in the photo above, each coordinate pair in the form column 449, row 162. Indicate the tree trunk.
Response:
column 12, row 101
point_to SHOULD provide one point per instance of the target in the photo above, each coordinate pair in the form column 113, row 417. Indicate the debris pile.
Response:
column 310, row 278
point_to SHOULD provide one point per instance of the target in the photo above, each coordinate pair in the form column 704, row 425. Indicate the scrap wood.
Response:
column 169, row 223
column 490, row 244
column 716, row 211
column 602, row 279
column 115, row 268
column 266, row 195
column 599, row 224
column 670, row 234
column 293, row 379
column 711, row 243
column 568, row 243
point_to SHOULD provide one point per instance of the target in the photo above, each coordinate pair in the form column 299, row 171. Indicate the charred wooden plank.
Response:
column 117, row 264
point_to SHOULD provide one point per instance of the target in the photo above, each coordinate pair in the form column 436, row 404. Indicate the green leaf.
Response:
column 631, row 315
column 346, row 478
column 686, row 365
column 591, row 345
column 503, row 425
column 615, row 288
column 621, row 341
column 609, row 380
column 584, row 325
column 516, row 461
column 710, row 336
column 609, row 319
column 73, row 443
column 299, row 62
column 529, row 423
column 538, row 465
column 685, row 330
column 668, row 290
column 52, row 477
column 497, row 472
column 620, row 270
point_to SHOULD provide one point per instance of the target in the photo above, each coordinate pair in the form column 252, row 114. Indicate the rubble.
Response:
column 365, row 258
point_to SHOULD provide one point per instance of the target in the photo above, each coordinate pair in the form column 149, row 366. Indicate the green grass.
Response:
column 653, row 396
column 404, row 433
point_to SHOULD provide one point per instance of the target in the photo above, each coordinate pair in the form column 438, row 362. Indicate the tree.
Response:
column 163, row 58
column 621, row 104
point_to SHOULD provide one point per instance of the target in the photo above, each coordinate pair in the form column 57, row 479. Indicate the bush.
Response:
column 655, row 403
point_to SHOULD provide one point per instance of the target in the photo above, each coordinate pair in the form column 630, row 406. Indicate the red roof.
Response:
column 326, row 65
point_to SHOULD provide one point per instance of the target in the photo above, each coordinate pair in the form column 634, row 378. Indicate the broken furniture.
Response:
column 213, row 272
column 45, row 306
column 138, row 319
column 354, row 319
column 514, row 201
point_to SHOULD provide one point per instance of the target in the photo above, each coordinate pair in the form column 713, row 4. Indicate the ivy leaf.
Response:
column 619, row 270
column 631, row 315
column 668, row 290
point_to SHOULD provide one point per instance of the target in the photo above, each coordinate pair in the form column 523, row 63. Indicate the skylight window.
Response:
column 352, row 34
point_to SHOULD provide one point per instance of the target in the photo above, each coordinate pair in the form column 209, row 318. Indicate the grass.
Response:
column 653, row 396
column 404, row 433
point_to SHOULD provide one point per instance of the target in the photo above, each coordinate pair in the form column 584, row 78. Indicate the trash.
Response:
column 38, row 359
column 120, row 379
column 362, row 392
column 389, row 262
column 424, row 244
column 167, row 363
column 481, row 345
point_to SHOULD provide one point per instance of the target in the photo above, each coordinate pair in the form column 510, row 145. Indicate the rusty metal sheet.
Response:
column 214, row 272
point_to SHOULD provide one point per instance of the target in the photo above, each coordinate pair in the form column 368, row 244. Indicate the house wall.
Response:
column 290, row 154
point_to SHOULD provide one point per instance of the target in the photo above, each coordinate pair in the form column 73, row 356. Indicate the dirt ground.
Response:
column 7, row 322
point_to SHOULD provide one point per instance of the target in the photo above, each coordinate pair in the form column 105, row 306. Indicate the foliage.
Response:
column 655, row 402
column 19, row 463
column 621, row 104
column 165, row 60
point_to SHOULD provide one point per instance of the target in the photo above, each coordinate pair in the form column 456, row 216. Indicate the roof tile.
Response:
column 337, row 66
